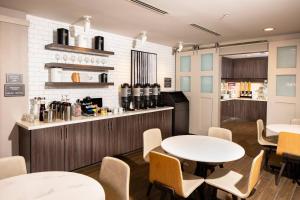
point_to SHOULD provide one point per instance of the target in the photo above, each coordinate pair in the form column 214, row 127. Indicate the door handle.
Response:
column 61, row 133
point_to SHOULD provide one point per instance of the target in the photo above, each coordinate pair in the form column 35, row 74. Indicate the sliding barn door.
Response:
column 284, row 81
column 198, row 76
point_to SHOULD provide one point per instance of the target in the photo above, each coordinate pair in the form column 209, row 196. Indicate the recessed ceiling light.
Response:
column 269, row 29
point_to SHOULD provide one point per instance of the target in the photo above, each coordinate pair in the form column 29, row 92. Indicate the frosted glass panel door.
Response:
column 287, row 57
column 284, row 81
column 185, row 83
column 185, row 63
column 286, row 85
column 207, row 62
column 206, row 84
column 197, row 75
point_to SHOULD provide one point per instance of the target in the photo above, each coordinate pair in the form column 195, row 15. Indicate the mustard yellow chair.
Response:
column 12, row 166
column 289, row 148
column 166, row 173
column 114, row 177
column 222, row 133
column 231, row 181
column 269, row 146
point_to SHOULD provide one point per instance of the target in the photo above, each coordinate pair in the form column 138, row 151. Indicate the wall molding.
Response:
column 13, row 20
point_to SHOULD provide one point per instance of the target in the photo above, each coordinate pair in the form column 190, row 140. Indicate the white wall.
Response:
column 41, row 33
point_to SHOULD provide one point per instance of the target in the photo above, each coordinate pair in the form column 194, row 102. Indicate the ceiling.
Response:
column 243, row 19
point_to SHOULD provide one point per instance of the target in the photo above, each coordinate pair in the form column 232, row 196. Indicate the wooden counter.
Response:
column 66, row 146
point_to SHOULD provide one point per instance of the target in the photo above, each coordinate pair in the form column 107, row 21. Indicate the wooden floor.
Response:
column 244, row 133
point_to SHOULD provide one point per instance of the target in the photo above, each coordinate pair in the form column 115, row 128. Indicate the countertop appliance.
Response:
column 180, row 113
column 125, row 96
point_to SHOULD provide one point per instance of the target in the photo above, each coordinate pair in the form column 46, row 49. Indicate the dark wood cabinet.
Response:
column 74, row 146
column 227, row 68
column 243, row 69
column 244, row 110
column 78, row 145
column 47, row 149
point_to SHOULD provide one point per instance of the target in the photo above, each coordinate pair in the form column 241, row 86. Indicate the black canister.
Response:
column 137, row 96
column 125, row 96
column 103, row 78
column 99, row 43
column 62, row 36
column 146, row 96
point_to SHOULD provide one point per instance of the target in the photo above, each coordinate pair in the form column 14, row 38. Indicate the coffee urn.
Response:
column 137, row 96
column 155, row 97
column 146, row 96
column 125, row 96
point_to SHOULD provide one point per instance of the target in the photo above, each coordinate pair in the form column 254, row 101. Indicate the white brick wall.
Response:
column 41, row 33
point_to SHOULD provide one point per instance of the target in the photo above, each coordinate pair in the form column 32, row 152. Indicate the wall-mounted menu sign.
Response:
column 168, row 82
column 14, row 90
column 14, row 78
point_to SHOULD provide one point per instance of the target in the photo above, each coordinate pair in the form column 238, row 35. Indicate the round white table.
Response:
column 51, row 186
column 275, row 129
column 205, row 150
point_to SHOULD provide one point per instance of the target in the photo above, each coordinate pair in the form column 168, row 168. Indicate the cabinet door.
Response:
column 78, row 145
column 47, row 149
column 165, row 123
column 100, row 140
column 227, row 68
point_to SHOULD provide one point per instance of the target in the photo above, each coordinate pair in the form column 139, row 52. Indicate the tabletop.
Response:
column 51, row 186
column 203, row 148
column 275, row 129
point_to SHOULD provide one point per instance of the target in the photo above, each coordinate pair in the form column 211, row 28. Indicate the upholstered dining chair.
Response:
column 114, row 177
column 166, row 174
column 12, row 166
column 231, row 181
column 152, row 140
column 222, row 133
column 289, row 148
column 269, row 146
column 295, row 121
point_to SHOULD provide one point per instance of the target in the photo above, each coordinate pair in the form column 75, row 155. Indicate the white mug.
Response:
column 121, row 110
column 56, row 74
column 116, row 111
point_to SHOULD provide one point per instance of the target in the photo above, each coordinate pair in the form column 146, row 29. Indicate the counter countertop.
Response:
column 39, row 125
column 244, row 99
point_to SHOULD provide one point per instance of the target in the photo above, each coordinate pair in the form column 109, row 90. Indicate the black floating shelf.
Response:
column 75, row 49
column 78, row 67
column 50, row 85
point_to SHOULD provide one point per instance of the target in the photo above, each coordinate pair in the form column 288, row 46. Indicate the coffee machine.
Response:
column 146, row 96
column 125, row 96
column 155, row 96
column 137, row 93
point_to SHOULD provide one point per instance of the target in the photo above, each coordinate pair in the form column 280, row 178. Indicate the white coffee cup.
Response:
column 121, row 110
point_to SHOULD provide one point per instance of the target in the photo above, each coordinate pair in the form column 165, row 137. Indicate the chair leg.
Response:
column 268, row 151
column 280, row 173
column 149, row 189
column 163, row 195
column 234, row 197
column 221, row 166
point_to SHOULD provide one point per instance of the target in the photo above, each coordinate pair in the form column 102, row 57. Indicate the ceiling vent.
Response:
column 149, row 7
column 205, row 29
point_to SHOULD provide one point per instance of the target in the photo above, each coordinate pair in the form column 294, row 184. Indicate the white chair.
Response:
column 231, row 181
column 270, row 147
column 260, row 138
column 12, row 166
column 152, row 140
column 114, row 177
column 222, row 133
column 295, row 121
